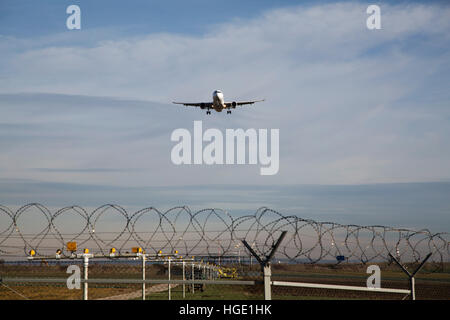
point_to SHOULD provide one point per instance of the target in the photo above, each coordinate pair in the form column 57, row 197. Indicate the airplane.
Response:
column 218, row 103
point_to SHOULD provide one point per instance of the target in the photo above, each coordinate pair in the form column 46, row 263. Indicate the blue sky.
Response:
column 90, row 110
column 26, row 18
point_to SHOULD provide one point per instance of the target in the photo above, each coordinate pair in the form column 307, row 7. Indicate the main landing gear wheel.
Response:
column 208, row 112
column 228, row 111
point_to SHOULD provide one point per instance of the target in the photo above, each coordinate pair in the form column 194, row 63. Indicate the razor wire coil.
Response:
column 212, row 232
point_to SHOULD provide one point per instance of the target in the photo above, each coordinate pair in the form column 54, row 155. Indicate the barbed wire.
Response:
column 210, row 232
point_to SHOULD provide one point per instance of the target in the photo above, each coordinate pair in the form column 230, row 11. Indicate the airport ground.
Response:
column 432, row 282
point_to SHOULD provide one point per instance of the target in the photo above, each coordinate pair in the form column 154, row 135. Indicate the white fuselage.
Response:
column 218, row 102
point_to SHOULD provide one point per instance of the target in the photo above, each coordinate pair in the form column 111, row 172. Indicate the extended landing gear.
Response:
column 228, row 111
column 208, row 112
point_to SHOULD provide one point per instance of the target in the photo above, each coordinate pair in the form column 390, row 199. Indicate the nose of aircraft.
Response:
column 217, row 94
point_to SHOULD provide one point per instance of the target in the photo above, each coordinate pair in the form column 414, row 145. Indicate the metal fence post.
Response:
column 267, row 282
column 192, row 276
column 412, row 287
column 143, row 276
column 184, row 278
column 170, row 297
column 265, row 264
column 85, row 284
column 412, row 281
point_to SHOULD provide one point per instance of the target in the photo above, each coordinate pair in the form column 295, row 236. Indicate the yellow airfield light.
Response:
column 86, row 251
column 32, row 252
column 72, row 246
column 112, row 251
column 136, row 250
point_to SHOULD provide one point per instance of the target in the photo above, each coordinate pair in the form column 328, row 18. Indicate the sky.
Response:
column 364, row 119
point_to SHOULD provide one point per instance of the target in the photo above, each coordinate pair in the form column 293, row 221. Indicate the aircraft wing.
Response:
column 241, row 103
column 203, row 105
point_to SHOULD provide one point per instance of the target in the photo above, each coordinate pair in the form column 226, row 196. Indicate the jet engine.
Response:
column 233, row 104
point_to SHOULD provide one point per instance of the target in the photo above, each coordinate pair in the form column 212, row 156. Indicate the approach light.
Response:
column 72, row 246
column 112, row 252
column 136, row 250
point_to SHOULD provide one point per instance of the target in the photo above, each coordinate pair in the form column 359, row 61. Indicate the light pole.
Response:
column 251, row 256
column 238, row 246
column 218, row 250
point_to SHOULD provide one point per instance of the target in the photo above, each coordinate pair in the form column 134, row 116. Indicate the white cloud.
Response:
column 348, row 101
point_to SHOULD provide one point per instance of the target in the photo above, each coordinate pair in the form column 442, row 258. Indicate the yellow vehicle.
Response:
column 228, row 273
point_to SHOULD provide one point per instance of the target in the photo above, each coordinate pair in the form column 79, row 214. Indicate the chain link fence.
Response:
column 209, row 232
column 226, row 282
